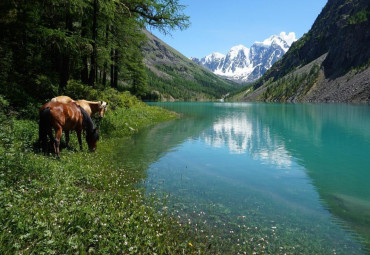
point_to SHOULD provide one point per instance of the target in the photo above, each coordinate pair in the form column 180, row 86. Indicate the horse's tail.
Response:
column 44, row 126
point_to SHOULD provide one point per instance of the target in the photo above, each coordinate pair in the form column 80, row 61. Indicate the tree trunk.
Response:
column 85, row 66
column 115, row 75
column 93, row 63
column 112, row 68
column 104, row 81
column 85, row 71
column 64, row 71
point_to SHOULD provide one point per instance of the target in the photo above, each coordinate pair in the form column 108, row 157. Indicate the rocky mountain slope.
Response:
column 330, row 63
column 172, row 76
column 245, row 65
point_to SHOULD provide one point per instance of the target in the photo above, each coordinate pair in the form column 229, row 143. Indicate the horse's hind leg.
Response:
column 58, row 135
column 79, row 138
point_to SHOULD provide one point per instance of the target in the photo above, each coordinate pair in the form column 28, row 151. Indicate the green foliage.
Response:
column 302, row 41
column 4, row 108
column 203, row 85
column 127, row 121
column 241, row 91
column 117, row 99
column 359, row 17
column 78, row 90
column 48, row 48
column 287, row 88
column 358, row 69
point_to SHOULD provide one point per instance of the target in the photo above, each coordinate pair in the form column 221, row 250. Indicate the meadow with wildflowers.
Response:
column 86, row 202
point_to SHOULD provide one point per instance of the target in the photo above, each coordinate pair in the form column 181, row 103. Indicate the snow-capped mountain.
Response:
column 244, row 64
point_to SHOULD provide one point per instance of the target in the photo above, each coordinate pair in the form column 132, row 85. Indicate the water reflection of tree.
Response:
column 145, row 148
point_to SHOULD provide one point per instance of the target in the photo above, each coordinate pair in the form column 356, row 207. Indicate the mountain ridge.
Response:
column 338, row 43
column 245, row 65
column 172, row 76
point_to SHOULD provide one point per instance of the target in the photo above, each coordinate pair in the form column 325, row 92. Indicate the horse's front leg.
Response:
column 58, row 135
column 79, row 138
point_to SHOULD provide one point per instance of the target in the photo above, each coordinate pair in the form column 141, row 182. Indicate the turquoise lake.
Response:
column 276, row 178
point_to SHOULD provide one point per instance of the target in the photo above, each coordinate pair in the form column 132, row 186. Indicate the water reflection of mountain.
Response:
column 332, row 142
column 242, row 134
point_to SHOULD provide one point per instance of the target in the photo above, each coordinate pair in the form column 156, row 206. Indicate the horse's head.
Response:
column 92, row 139
column 102, row 108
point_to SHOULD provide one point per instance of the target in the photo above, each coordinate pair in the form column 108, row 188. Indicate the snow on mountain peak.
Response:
column 217, row 55
column 244, row 64
column 234, row 51
column 238, row 47
column 284, row 40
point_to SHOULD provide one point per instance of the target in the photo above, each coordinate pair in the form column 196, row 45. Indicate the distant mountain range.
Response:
column 330, row 63
column 245, row 65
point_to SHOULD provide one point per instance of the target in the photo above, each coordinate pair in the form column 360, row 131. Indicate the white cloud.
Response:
column 289, row 38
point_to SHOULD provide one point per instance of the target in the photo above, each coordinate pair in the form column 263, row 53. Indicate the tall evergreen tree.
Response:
column 44, row 44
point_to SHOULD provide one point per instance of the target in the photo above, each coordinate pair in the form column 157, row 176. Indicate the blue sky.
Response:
column 218, row 25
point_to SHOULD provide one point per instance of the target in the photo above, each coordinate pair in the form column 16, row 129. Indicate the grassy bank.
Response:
column 86, row 202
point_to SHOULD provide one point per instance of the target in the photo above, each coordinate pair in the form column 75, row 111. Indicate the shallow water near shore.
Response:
column 271, row 178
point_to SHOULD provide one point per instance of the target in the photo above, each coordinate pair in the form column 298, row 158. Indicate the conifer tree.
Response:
column 44, row 44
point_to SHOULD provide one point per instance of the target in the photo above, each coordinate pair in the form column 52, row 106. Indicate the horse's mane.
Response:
column 87, row 123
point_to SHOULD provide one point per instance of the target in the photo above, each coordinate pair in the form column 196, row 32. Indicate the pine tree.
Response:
column 44, row 44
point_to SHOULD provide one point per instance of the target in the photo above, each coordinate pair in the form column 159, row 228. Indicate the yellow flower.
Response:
column 190, row 244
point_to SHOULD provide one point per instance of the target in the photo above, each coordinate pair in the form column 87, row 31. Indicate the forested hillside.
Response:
column 173, row 76
column 58, row 46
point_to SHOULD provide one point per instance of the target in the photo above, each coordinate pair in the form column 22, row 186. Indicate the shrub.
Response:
column 77, row 90
column 359, row 17
column 118, row 99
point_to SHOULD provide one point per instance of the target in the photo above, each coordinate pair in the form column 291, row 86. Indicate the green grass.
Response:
column 86, row 202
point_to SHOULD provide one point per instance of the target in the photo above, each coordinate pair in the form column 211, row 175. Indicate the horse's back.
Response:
column 67, row 116
column 85, row 105
column 62, row 99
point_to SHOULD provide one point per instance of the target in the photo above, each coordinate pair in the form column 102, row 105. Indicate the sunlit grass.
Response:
column 84, row 203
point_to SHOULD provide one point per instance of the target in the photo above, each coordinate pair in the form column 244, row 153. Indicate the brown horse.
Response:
column 89, row 106
column 67, row 117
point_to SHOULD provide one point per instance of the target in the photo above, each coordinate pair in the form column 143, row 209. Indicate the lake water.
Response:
column 274, row 178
